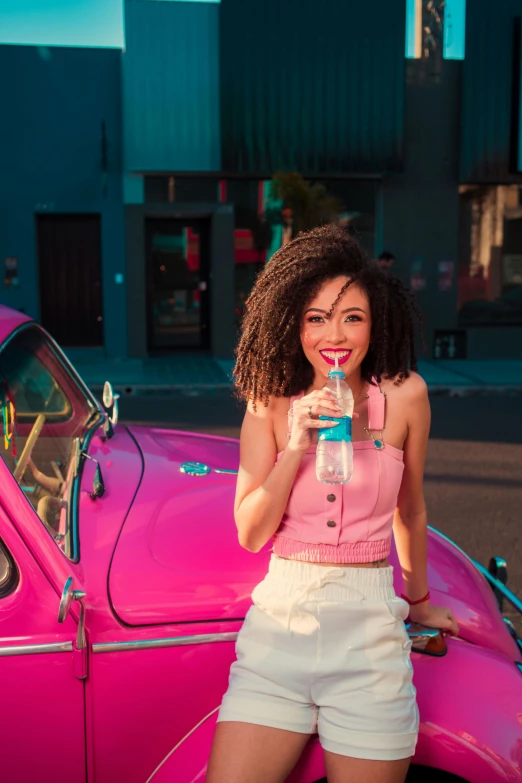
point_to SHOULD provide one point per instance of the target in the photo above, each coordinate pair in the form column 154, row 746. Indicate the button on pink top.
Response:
column 344, row 523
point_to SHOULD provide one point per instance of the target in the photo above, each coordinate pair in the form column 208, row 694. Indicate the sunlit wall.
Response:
column 62, row 23
column 454, row 29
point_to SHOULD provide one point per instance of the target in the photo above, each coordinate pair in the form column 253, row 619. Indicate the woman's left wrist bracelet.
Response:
column 420, row 601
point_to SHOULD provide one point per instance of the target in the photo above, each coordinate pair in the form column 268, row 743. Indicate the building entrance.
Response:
column 177, row 252
column 69, row 259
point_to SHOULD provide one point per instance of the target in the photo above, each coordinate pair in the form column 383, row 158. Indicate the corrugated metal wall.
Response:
column 171, row 86
column 487, row 91
column 313, row 86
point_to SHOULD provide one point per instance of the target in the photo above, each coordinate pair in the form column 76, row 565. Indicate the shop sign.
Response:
column 449, row 344
column 417, row 275
column 512, row 270
column 445, row 275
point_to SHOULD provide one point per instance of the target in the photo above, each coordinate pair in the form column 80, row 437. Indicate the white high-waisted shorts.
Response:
column 324, row 649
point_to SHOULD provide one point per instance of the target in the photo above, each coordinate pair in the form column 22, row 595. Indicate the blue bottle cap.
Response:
column 336, row 374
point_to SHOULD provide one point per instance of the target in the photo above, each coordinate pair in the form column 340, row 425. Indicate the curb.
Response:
column 135, row 390
column 166, row 390
column 469, row 391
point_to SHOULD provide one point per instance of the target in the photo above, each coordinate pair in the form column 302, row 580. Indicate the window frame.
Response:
column 72, row 547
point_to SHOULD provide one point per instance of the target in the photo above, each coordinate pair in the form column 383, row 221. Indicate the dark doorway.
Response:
column 177, row 252
column 69, row 253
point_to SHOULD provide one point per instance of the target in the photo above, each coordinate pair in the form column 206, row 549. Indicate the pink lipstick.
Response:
column 329, row 354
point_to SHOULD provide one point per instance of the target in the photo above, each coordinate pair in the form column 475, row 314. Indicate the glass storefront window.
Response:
column 490, row 270
column 177, row 283
column 259, row 230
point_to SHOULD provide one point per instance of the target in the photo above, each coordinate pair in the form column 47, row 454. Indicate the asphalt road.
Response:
column 473, row 477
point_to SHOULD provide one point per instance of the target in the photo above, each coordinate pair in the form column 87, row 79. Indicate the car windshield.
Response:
column 46, row 416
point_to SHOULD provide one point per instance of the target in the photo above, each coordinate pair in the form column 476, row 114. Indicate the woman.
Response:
column 324, row 647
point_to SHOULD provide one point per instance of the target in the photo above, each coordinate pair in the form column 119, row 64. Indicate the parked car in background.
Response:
column 123, row 587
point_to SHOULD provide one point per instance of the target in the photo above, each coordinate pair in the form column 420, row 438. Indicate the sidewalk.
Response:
column 468, row 376
column 192, row 373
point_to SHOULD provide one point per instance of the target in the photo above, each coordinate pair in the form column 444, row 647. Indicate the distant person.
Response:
column 386, row 261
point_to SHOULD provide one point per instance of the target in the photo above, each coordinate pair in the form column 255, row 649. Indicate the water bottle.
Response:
column 334, row 458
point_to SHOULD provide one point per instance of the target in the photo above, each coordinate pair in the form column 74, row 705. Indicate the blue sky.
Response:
column 62, row 22
column 100, row 23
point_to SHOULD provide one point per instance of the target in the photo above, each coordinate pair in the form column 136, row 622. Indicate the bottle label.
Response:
column 343, row 430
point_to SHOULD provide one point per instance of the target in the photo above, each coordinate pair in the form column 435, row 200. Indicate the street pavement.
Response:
column 473, row 476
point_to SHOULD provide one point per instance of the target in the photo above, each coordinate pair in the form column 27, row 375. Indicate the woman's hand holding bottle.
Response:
column 305, row 418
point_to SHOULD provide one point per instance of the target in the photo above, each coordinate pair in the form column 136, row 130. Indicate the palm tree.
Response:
column 305, row 204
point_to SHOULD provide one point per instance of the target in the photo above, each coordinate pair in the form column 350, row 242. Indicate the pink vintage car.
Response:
column 123, row 587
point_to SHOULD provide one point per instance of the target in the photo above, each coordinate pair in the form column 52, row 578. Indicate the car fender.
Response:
column 187, row 761
column 470, row 704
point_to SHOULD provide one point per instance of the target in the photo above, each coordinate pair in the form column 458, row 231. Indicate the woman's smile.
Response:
column 330, row 354
column 343, row 332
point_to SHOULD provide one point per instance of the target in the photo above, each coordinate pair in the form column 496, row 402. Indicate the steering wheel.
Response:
column 28, row 448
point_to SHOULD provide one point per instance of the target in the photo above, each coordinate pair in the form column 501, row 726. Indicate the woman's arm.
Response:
column 410, row 521
column 410, row 525
column 264, row 484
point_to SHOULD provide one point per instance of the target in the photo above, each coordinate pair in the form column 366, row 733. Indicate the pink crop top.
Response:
column 344, row 523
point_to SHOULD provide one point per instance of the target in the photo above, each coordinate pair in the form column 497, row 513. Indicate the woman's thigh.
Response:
column 248, row 753
column 343, row 769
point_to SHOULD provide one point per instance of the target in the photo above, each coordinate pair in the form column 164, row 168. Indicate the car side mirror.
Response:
column 110, row 402
column 68, row 596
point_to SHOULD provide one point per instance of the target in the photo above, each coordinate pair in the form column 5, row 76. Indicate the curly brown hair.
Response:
column 269, row 357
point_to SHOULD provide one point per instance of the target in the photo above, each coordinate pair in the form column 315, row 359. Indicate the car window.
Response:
column 38, row 392
column 8, row 572
column 46, row 414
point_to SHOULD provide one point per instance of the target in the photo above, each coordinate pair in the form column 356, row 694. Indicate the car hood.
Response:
column 178, row 560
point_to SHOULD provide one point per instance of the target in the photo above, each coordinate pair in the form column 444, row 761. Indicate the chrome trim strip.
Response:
column 513, row 599
column 225, row 470
column 72, row 548
column 152, row 644
column 187, row 735
column 513, row 631
column 36, row 649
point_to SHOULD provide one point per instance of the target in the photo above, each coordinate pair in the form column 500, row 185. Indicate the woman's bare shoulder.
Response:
column 276, row 407
column 412, row 388
column 262, row 433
